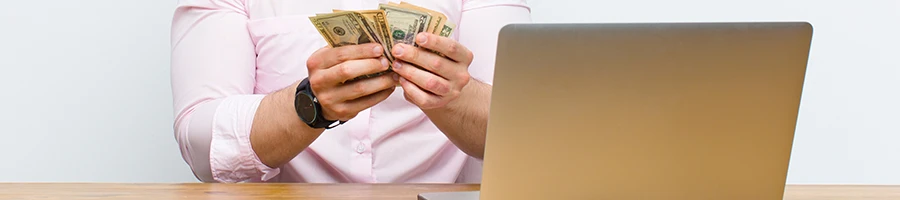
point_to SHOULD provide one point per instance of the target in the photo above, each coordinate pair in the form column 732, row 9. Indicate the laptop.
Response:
column 647, row 111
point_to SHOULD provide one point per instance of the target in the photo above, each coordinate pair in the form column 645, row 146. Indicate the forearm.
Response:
column 464, row 120
column 278, row 134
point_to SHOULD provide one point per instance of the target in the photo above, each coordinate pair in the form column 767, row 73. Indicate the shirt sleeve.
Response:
column 478, row 29
column 213, row 70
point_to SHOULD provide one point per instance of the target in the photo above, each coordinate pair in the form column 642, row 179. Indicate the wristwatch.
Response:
column 308, row 108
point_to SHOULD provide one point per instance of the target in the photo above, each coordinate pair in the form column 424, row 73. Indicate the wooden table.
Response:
column 340, row 191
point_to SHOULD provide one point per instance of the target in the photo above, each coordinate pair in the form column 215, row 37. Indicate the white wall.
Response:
column 87, row 98
column 86, row 94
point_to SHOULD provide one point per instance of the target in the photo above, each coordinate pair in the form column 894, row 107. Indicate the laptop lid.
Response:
column 644, row 111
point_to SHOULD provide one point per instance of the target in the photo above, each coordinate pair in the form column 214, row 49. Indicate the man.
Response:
column 237, row 67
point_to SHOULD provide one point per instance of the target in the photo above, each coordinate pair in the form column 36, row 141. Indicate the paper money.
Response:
column 447, row 29
column 342, row 28
column 347, row 28
column 439, row 24
column 378, row 20
column 405, row 23
column 389, row 25
column 437, row 19
column 443, row 29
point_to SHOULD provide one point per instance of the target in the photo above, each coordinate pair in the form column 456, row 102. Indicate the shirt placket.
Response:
column 361, row 140
column 361, row 149
column 362, row 156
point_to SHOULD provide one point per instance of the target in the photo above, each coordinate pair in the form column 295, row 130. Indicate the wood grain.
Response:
column 222, row 191
column 103, row 191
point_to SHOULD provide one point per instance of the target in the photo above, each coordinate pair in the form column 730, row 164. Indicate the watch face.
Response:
column 305, row 108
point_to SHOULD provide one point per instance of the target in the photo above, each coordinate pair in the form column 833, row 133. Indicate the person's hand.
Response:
column 441, row 80
column 330, row 68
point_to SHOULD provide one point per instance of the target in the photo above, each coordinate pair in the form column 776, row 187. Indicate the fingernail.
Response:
column 421, row 38
column 397, row 65
column 398, row 50
column 384, row 62
column 376, row 50
column 396, row 77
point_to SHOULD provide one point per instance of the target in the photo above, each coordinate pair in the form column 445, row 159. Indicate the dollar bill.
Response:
column 447, row 30
column 389, row 25
column 437, row 19
column 405, row 23
column 444, row 27
column 439, row 24
column 378, row 20
column 347, row 28
column 342, row 29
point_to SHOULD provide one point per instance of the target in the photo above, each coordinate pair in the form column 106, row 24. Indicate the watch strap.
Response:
column 319, row 121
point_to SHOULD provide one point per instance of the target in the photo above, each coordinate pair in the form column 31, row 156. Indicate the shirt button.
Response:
column 360, row 148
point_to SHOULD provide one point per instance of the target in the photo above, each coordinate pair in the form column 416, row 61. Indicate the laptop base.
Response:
column 469, row 195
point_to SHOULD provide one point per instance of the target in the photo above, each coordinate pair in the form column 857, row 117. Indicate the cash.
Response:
column 390, row 24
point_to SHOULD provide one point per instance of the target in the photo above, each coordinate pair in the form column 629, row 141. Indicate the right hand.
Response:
column 329, row 68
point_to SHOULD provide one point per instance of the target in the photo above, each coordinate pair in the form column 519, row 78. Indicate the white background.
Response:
column 86, row 94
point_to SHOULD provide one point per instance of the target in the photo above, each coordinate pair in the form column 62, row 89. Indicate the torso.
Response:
column 390, row 142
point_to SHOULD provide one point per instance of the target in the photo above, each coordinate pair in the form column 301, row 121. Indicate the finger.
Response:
column 364, row 87
column 423, row 79
column 338, row 102
column 362, row 103
column 417, row 96
column 425, row 59
column 349, row 109
column 354, row 68
column 449, row 47
column 328, row 57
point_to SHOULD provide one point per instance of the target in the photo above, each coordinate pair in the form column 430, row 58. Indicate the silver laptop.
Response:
column 648, row 111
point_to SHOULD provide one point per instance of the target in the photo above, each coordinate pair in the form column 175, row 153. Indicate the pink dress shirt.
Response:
column 228, row 54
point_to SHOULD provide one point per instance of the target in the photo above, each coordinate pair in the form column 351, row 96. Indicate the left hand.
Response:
column 444, row 79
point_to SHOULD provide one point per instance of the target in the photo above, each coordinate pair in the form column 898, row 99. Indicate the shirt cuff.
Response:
column 232, row 158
